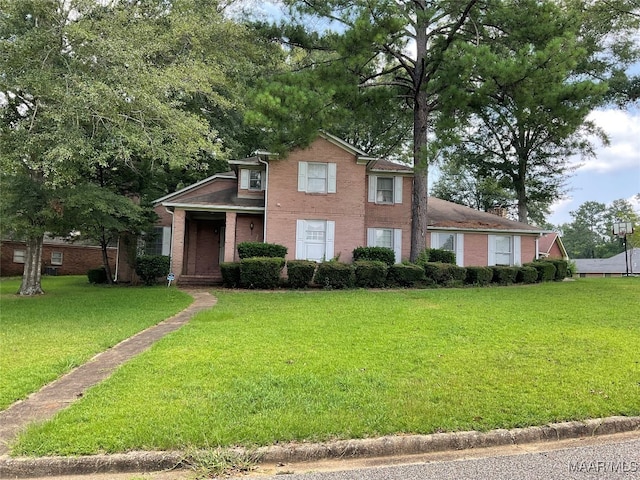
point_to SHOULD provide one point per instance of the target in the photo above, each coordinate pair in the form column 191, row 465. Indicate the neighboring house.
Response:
column 550, row 246
column 58, row 257
column 321, row 202
column 614, row 266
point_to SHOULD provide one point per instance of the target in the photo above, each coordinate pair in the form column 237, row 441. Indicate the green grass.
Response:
column 273, row 367
column 43, row 337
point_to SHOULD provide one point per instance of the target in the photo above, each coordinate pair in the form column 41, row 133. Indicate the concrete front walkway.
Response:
column 55, row 396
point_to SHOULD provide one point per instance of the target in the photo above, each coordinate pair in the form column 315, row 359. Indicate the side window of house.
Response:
column 388, row 238
column 19, row 256
column 160, row 242
column 56, row 258
column 385, row 190
column 504, row 250
column 453, row 242
column 315, row 240
column 316, row 177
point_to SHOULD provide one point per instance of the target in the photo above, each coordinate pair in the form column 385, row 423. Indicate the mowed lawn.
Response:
column 266, row 367
column 43, row 337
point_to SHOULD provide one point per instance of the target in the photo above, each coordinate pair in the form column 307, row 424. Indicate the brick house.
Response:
column 321, row 202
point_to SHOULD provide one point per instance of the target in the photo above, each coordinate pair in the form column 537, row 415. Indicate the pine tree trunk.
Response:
column 31, row 276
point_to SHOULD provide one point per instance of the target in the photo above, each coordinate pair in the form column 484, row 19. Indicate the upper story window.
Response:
column 385, row 190
column 316, row 177
column 251, row 179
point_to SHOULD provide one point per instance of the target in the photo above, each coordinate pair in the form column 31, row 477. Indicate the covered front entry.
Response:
column 204, row 244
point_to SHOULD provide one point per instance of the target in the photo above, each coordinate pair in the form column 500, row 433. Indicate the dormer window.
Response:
column 251, row 179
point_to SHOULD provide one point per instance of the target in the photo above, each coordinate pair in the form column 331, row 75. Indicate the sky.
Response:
column 613, row 173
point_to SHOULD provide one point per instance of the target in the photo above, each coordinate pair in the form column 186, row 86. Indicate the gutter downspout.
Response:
column 115, row 279
column 266, row 196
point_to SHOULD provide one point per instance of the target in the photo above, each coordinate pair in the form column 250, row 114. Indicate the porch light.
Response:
column 251, row 225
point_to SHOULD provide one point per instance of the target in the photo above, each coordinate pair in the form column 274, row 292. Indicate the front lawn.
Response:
column 261, row 368
column 43, row 337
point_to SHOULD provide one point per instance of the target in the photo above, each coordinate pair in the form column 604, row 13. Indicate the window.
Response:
column 385, row 190
column 444, row 241
column 255, row 180
column 56, row 258
column 251, row 180
column 159, row 243
column 19, row 256
column 388, row 238
column 314, row 177
column 504, row 250
column 314, row 240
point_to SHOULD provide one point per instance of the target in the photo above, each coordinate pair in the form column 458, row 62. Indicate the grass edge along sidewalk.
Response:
column 144, row 462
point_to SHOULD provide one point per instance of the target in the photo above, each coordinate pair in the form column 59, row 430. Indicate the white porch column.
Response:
column 230, row 237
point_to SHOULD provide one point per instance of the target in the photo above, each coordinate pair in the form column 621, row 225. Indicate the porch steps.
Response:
column 199, row 280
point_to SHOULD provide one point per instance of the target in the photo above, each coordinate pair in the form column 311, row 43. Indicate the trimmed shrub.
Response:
column 259, row 249
column 334, row 275
column 527, row 275
column 504, row 275
column 381, row 254
column 436, row 255
column 478, row 276
column 562, row 268
column 370, row 273
column 446, row 274
column 150, row 267
column 300, row 273
column 97, row 275
column 405, row 275
column 546, row 270
column 230, row 274
column 260, row 272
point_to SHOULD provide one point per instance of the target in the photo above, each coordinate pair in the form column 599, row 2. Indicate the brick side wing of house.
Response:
column 321, row 202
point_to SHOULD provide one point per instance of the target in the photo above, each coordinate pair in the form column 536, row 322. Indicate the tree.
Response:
column 93, row 89
column 529, row 107
column 399, row 47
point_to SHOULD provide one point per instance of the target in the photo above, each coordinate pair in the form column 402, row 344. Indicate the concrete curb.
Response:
column 361, row 448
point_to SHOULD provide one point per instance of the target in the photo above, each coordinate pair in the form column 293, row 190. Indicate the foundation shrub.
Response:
column 504, row 275
column 97, row 275
column 150, row 267
column 527, row 275
column 300, row 273
column 230, row 274
column 546, row 270
column 259, row 249
column 381, row 254
column 445, row 274
column 480, row 276
column 405, row 275
column 261, row 272
column 334, row 275
column 370, row 273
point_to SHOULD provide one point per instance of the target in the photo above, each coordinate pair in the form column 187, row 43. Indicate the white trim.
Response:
column 300, row 237
column 397, row 244
column 397, row 189
column 373, row 184
column 329, row 247
column 516, row 251
column 213, row 208
column 484, row 230
column 166, row 241
column 331, row 177
column 244, row 179
column 302, row 176
column 491, row 253
column 459, row 249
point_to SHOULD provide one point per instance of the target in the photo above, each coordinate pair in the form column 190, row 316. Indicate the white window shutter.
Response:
column 300, row 238
column 166, row 241
column 331, row 177
column 331, row 234
column 517, row 250
column 397, row 189
column 491, row 254
column 371, row 237
column 460, row 249
column 244, row 179
column 434, row 240
column 302, row 176
column 372, row 188
column 397, row 244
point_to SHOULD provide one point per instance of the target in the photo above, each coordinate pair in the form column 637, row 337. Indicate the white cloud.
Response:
column 623, row 128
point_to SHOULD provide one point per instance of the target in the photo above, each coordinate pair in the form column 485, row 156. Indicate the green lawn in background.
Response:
column 269, row 367
column 43, row 337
